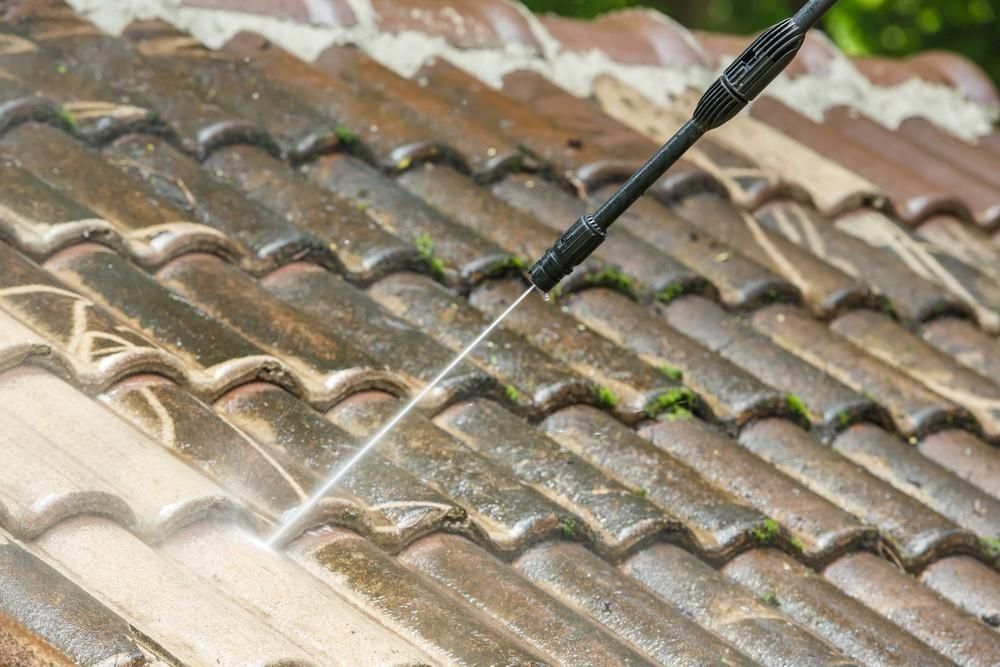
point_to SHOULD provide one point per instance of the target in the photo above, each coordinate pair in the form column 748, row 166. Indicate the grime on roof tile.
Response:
column 968, row 584
column 965, row 455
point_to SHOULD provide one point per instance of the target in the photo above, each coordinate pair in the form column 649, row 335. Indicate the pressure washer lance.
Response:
column 739, row 84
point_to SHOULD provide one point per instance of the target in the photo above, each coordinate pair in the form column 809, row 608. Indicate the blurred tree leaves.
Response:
column 860, row 27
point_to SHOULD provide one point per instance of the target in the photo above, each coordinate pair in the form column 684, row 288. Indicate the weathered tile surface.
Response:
column 969, row 584
column 965, row 455
column 966, row 344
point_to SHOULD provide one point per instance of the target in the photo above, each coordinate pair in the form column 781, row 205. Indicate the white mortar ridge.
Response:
column 407, row 51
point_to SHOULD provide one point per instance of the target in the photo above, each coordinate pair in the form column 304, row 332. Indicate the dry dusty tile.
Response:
column 733, row 395
column 45, row 619
column 965, row 455
column 965, row 343
column 981, row 199
column 533, row 381
column 915, row 608
column 196, row 623
column 913, row 197
column 740, row 282
column 631, row 36
column 448, row 250
column 268, row 584
column 201, row 438
column 377, row 497
column 389, row 340
column 198, row 124
column 824, row 287
column 363, row 250
column 968, row 584
column 751, row 625
column 832, row 187
column 215, row 357
column 95, row 347
column 327, row 366
column 467, row 24
column 717, row 522
column 485, row 152
column 815, row 604
column 827, row 403
column 154, row 227
column 271, row 238
column 406, row 602
column 916, row 533
column 647, row 270
column 815, row 528
column 890, row 459
column 914, row 409
column 880, row 337
column 299, row 132
column 914, row 297
column 587, row 584
column 39, row 219
column 507, row 513
column 615, row 515
column 66, row 455
column 522, row 609
column 628, row 386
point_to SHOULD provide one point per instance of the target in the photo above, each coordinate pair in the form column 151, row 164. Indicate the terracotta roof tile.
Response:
column 221, row 271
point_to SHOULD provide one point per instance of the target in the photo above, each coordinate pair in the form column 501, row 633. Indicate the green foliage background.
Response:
column 859, row 27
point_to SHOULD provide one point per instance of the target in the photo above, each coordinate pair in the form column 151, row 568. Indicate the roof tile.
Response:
column 904, row 601
column 965, row 455
column 968, row 584
column 467, row 24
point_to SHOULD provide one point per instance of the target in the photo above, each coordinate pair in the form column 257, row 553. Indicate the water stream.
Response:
column 303, row 510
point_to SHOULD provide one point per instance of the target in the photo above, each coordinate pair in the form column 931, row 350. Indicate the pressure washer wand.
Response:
column 739, row 84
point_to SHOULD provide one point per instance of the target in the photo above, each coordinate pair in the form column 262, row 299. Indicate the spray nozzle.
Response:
column 742, row 81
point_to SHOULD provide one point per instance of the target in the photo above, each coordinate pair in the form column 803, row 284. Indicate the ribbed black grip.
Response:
column 749, row 74
column 573, row 247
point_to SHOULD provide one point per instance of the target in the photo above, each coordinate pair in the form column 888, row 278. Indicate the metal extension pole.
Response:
column 741, row 82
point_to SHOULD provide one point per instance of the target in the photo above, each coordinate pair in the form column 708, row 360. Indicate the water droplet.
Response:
column 548, row 298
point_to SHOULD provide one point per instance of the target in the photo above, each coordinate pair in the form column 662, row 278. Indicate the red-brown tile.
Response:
column 959, row 72
column 968, row 584
column 730, row 393
column 901, row 465
column 904, row 601
column 882, row 338
column 533, row 381
column 973, row 161
column 820, row 607
column 716, row 521
column 507, row 514
column 521, row 608
column 914, row 409
column 407, row 602
column 703, row 594
column 965, row 455
column 325, row 363
column 802, row 520
column 965, row 343
column 916, row 533
column 656, row 627
column 828, row 404
column 617, row 517
column 323, row 12
column 466, row 24
column 970, row 246
column 629, row 387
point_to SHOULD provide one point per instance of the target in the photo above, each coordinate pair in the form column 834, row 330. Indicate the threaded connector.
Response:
column 571, row 249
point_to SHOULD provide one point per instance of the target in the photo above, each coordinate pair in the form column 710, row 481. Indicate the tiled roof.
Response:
column 760, row 426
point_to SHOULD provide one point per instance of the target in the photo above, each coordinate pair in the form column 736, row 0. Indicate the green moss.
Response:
column 641, row 493
column 796, row 405
column 672, row 373
column 612, row 278
column 361, row 207
column 513, row 393
column 991, row 545
column 770, row 598
column 765, row 532
column 843, row 419
column 61, row 68
column 568, row 527
column 607, row 397
column 674, row 404
column 68, row 118
column 345, row 135
column 796, row 544
column 517, row 263
column 425, row 247
column 670, row 292
column 889, row 309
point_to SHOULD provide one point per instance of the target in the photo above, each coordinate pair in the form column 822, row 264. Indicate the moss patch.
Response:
column 765, row 532
column 672, row 373
column 991, row 545
column 641, row 493
column 675, row 404
column 612, row 278
column 607, row 398
column 669, row 293
column 513, row 393
column 568, row 527
column 345, row 135
column 770, row 598
column 796, row 544
column 68, row 118
column 796, row 405
column 425, row 247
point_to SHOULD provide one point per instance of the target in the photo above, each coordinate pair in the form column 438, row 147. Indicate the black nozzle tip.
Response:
column 570, row 250
column 546, row 273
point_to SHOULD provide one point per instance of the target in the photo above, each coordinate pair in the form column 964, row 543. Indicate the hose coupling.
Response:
column 579, row 241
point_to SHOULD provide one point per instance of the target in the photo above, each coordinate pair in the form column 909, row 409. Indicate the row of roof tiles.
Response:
column 234, row 356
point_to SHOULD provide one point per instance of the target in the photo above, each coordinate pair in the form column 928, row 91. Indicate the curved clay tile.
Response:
column 322, row 12
column 467, row 24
